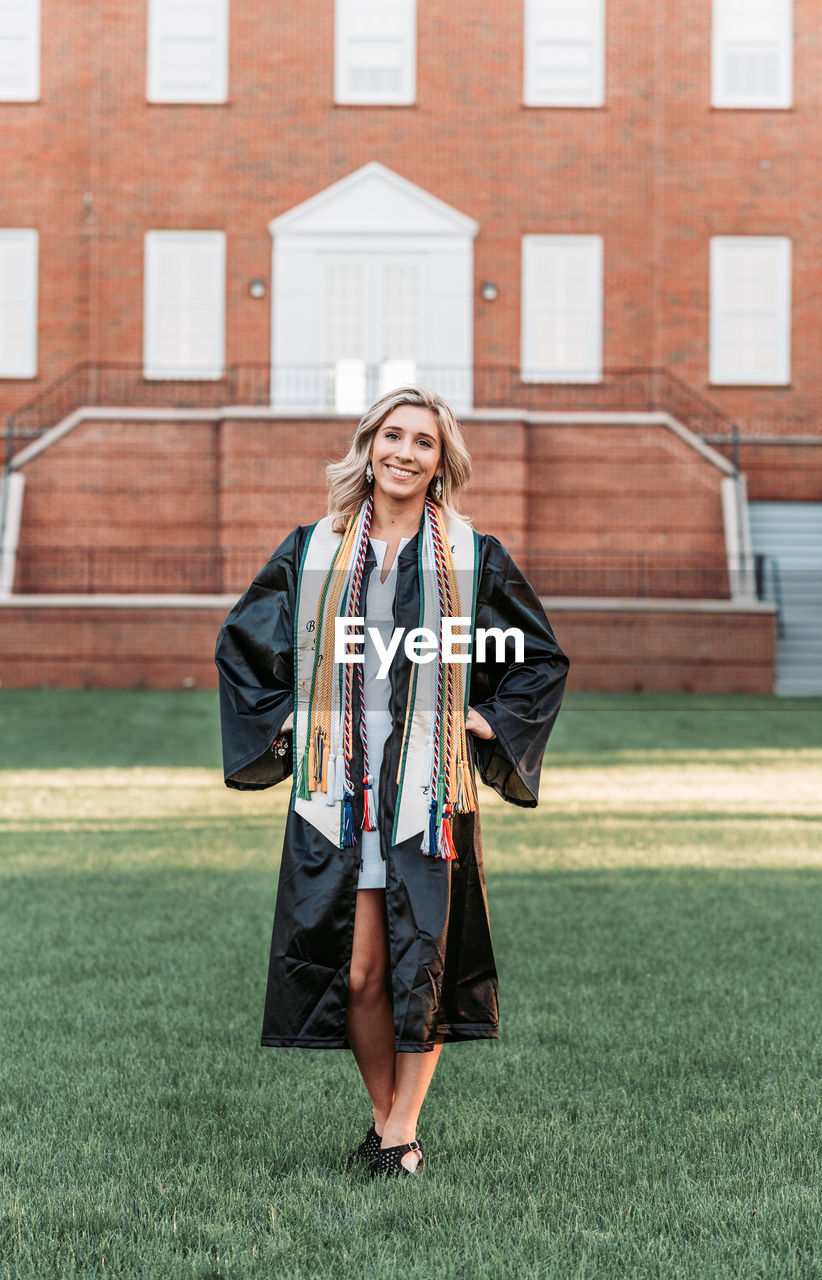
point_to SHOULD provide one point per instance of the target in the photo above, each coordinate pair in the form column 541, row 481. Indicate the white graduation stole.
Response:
column 413, row 788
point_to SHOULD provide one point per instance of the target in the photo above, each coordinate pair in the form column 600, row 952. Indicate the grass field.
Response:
column 653, row 1107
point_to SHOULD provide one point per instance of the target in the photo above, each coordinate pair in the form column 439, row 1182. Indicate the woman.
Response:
column 335, row 666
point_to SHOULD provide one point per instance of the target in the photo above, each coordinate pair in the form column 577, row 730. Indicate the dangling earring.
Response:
column 438, row 488
column 369, row 472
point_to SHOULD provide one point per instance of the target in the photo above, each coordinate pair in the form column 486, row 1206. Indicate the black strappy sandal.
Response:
column 368, row 1150
column 388, row 1163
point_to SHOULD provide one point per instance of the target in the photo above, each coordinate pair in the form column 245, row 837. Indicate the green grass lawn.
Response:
column 653, row 1107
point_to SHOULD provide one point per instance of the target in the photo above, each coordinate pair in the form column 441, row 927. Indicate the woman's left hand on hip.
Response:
column 478, row 725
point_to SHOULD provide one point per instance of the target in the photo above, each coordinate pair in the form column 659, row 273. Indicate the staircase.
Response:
column 123, row 385
column 789, row 537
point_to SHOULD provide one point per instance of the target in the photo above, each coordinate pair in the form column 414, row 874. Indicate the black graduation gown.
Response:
column 443, row 981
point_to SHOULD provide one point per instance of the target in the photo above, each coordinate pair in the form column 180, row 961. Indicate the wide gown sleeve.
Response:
column 520, row 700
column 255, row 661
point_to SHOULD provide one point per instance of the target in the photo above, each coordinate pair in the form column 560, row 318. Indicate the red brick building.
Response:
column 594, row 225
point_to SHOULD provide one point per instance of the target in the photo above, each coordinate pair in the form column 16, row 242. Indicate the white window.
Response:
column 562, row 308
column 184, row 305
column 187, row 51
column 564, row 53
column 750, row 309
column 752, row 53
column 19, row 50
column 375, row 54
column 18, row 303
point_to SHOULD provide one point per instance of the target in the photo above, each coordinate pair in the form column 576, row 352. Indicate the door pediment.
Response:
column 373, row 200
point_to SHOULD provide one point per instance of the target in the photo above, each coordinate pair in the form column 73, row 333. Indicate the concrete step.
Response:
column 797, row 686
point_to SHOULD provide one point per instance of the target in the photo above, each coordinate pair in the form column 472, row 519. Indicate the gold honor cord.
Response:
column 321, row 711
column 454, row 755
column 465, row 798
column 456, row 786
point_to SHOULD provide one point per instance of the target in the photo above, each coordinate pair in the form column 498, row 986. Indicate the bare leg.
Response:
column 369, row 1017
column 412, row 1076
column 396, row 1082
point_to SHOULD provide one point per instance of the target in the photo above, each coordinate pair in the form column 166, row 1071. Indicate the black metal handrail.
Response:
column 316, row 388
column 768, row 581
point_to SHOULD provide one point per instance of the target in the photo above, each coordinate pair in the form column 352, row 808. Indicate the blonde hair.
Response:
column 347, row 485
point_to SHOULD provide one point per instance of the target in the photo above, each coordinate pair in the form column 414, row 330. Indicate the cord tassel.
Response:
column 349, row 834
column 339, row 781
column 369, row 810
column 446, row 849
column 331, row 784
column 302, row 790
column 463, row 801
column 429, row 835
column 471, row 786
column 318, row 758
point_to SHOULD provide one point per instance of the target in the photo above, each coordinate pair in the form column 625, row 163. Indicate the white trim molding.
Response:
column 14, row 484
column 116, row 601
column 649, row 604
column 583, row 604
column 736, row 523
column 373, row 199
column 114, row 414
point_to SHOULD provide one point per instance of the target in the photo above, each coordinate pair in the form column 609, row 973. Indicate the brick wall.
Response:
column 148, row 490
column 692, row 652
column 656, row 172
column 782, row 473
column 196, row 506
column 170, row 648
column 108, row 648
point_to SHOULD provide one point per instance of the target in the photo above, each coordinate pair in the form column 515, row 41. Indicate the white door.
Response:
column 372, row 318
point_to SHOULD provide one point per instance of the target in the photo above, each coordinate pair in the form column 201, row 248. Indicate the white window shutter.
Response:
column 187, row 51
column 375, row 51
column 18, row 303
column 750, row 324
column 184, row 307
column 562, row 308
column 19, row 50
column 564, row 53
column 752, row 53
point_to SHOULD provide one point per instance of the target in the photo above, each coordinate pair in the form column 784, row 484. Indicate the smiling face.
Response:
column 406, row 454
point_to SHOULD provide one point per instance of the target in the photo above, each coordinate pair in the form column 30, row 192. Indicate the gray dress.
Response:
column 379, row 612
